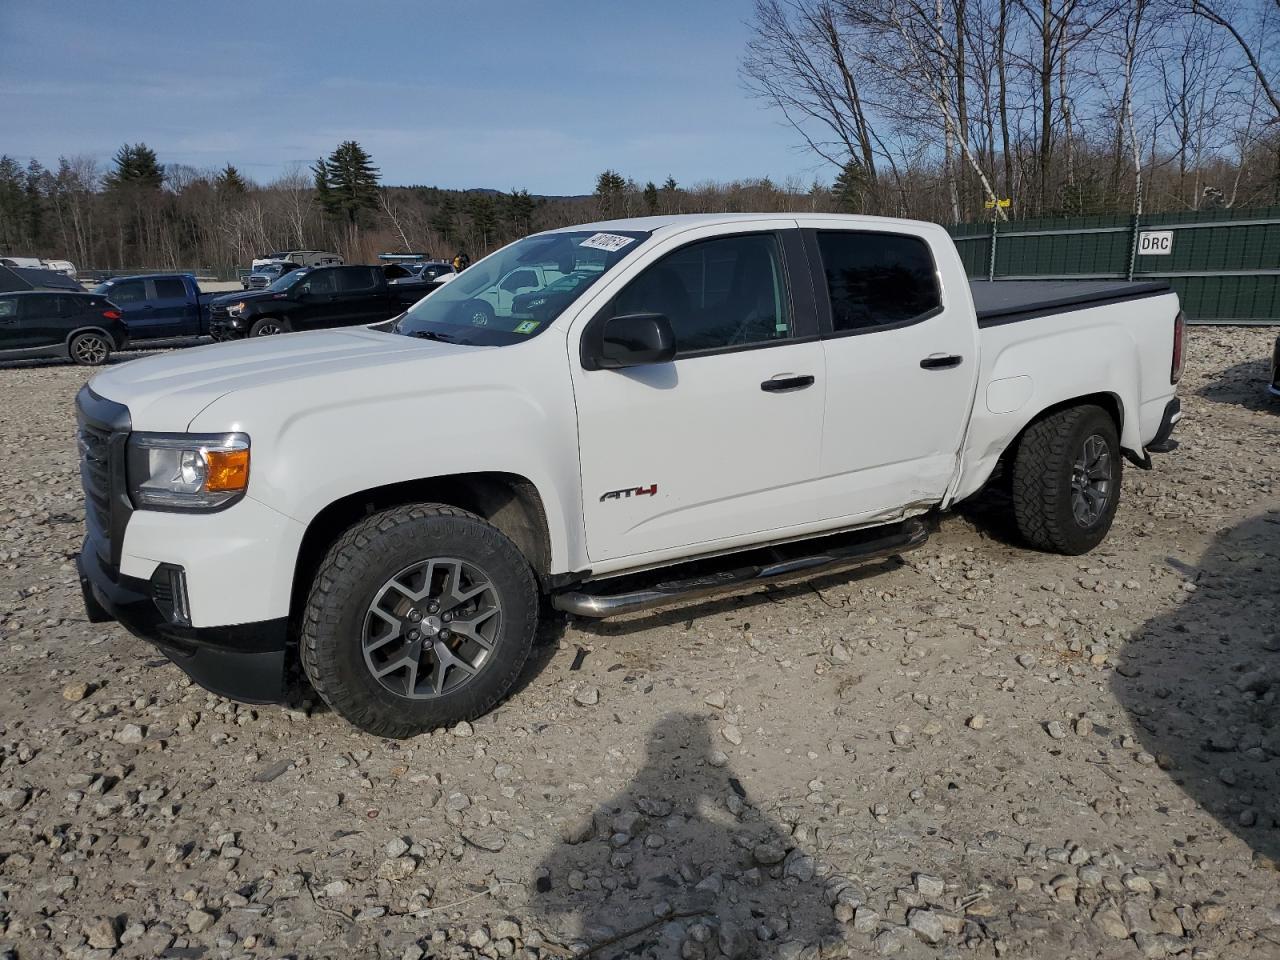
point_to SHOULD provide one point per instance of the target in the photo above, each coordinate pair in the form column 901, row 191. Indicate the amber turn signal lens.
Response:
column 228, row 470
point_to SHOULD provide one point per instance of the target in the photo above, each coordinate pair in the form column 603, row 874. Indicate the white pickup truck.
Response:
column 691, row 404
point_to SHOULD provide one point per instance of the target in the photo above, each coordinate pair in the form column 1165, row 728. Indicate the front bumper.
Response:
column 228, row 326
column 243, row 662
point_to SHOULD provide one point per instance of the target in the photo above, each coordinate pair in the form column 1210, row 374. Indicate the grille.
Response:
column 101, row 434
column 218, row 311
column 258, row 283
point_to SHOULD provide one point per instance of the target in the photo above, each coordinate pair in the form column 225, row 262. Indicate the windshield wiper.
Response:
column 433, row 335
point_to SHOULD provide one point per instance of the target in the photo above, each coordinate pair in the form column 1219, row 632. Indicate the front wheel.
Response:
column 90, row 349
column 419, row 617
column 268, row 327
column 1066, row 480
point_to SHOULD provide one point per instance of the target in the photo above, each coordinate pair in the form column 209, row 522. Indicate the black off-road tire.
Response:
column 1042, row 472
column 276, row 325
column 358, row 564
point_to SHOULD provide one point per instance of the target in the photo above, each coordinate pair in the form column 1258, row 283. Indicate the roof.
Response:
column 678, row 222
column 17, row 279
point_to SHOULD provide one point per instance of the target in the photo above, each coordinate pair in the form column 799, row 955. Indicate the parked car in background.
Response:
column 710, row 396
column 35, row 278
column 65, row 267
column 83, row 327
column 268, row 273
column 426, row 271
column 303, row 258
column 311, row 298
column 157, row 306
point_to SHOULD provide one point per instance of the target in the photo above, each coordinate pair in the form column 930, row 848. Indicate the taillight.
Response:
column 111, row 314
column 1179, row 335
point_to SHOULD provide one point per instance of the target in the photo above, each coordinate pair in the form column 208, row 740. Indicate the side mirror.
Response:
column 635, row 340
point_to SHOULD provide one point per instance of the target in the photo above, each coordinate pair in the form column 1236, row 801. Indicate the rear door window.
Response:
column 170, row 288
column 877, row 280
column 40, row 306
column 355, row 279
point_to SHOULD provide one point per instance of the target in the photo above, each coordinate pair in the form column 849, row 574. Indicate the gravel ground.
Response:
column 977, row 751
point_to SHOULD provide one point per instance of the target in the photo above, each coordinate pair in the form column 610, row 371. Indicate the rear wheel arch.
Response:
column 510, row 502
column 91, row 329
column 1109, row 402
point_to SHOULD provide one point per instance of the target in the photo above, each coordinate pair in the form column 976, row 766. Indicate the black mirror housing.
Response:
column 633, row 340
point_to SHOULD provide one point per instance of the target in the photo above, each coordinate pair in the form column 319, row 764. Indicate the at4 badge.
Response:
column 628, row 492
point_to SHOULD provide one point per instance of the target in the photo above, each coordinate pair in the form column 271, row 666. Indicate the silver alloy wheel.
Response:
column 1091, row 481
column 268, row 329
column 89, row 348
column 431, row 627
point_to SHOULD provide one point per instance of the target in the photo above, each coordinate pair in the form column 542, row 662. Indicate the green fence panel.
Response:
column 1224, row 264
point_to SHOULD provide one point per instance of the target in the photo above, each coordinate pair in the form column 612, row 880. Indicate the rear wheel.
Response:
column 1066, row 480
column 268, row 327
column 90, row 349
column 419, row 617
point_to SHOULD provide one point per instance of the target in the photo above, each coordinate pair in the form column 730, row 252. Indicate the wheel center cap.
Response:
column 431, row 625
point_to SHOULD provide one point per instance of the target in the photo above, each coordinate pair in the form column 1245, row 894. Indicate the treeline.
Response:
column 936, row 108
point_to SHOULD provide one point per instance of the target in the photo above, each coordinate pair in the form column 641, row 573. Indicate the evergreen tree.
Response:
column 136, row 166
column 13, row 204
column 670, row 199
column 651, row 198
column 518, row 212
column 444, row 218
column 610, row 193
column 850, row 187
column 229, row 182
column 484, row 218
column 346, row 183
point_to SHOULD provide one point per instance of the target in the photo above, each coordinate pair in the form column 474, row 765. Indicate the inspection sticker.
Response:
column 528, row 326
column 607, row 241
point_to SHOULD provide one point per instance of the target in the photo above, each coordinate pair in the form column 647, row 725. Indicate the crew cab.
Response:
column 688, row 405
column 311, row 298
column 158, row 306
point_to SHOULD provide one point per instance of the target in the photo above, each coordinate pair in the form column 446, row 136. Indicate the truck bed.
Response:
column 1008, row 301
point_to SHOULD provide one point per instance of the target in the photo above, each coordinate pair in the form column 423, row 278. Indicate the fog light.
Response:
column 169, row 591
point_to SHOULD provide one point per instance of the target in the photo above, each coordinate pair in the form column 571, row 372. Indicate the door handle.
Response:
column 785, row 382
column 940, row 361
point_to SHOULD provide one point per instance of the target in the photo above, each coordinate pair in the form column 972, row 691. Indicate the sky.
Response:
column 539, row 95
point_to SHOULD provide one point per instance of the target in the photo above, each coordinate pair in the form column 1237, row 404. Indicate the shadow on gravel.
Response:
column 682, row 853
column 1203, row 684
column 1244, row 385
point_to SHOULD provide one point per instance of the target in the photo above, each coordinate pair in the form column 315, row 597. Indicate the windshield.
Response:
column 269, row 268
column 517, row 292
column 287, row 280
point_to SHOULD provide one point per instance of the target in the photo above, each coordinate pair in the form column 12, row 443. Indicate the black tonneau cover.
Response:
column 1008, row 301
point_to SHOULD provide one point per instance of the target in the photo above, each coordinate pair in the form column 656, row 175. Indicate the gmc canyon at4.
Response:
column 667, row 407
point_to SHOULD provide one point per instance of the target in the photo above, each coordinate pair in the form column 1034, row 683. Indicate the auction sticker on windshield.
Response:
column 527, row 326
column 606, row 241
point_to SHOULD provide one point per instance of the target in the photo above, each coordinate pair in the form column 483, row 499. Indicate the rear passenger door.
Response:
column 13, row 333
column 901, row 363
column 318, row 293
column 39, row 322
column 173, row 312
column 139, row 315
column 360, row 297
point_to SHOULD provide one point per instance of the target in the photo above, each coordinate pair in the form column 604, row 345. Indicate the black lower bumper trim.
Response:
column 243, row 662
column 1163, row 442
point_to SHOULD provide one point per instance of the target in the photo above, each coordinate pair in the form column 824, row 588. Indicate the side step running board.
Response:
column 583, row 603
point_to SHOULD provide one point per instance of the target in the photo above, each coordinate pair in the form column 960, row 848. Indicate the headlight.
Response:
column 236, row 309
column 187, row 471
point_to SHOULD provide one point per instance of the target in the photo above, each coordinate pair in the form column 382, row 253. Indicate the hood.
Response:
column 247, row 296
column 166, row 392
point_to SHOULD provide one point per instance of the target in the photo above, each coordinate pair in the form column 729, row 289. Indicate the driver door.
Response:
column 716, row 447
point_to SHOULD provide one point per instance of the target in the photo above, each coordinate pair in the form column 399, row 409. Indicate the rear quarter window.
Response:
column 877, row 280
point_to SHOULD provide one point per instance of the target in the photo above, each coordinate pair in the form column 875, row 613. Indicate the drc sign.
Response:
column 1155, row 243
